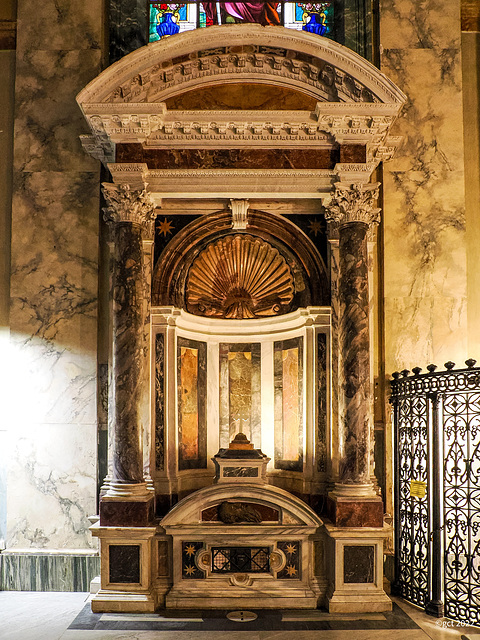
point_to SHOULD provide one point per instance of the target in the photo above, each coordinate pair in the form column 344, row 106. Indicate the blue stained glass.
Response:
column 173, row 17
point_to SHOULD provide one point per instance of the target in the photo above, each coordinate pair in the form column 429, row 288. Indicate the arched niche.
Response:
column 308, row 271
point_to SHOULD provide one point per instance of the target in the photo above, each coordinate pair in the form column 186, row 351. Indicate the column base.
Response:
column 435, row 608
column 359, row 603
column 355, row 569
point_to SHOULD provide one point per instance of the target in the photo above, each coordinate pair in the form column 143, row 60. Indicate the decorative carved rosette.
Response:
column 353, row 203
column 129, row 205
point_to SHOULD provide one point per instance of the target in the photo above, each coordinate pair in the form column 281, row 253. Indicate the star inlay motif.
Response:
column 165, row 227
column 291, row 570
column 315, row 226
column 189, row 570
column 190, row 550
column 291, row 549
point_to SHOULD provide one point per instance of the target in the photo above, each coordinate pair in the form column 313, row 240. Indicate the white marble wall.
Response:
column 425, row 240
column 51, row 474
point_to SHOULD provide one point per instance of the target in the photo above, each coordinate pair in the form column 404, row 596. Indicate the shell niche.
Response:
column 239, row 277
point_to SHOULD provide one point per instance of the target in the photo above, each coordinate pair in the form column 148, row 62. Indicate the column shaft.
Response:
column 128, row 301
column 354, row 350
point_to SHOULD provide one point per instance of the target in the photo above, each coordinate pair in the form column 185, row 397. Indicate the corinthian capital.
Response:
column 128, row 205
column 353, row 203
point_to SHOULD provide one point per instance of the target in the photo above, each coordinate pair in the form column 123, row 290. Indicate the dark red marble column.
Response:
column 354, row 502
column 128, row 502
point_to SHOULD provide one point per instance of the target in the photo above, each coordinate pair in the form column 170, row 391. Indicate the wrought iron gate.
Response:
column 437, row 446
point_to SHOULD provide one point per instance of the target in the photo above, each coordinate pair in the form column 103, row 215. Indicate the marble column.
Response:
column 354, row 502
column 128, row 502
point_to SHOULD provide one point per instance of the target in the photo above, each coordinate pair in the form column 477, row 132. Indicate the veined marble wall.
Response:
column 52, row 432
column 424, row 194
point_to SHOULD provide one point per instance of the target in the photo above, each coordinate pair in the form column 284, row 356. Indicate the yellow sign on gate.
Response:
column 418, row 489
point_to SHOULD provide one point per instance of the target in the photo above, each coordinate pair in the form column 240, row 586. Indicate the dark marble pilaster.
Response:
column 352, row 208
column 128, row 27
column 131, row 215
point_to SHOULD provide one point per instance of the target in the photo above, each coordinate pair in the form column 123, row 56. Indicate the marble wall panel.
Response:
column 48, row 121
column 48, row 571
column 61, row 26
column 51, row 476
column 191, row 390
column 424, row 201
column 288, row 392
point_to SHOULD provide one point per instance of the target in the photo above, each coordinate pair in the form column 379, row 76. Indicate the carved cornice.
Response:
column 184, row 129
column 129, row 205
column 126, row 102
column 347, row 123
column 225, row 183
column 353, row 203
column 99, row 147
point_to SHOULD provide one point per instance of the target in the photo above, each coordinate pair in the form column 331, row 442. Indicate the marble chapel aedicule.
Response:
column 241, row 379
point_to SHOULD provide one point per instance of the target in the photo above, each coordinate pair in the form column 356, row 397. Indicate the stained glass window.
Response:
column 169, row 18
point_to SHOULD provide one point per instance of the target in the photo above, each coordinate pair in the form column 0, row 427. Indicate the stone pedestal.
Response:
column 240, row 462
column 355, row 569
column 126, row 569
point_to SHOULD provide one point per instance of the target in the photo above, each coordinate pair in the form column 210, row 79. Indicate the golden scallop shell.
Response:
column 239, row 277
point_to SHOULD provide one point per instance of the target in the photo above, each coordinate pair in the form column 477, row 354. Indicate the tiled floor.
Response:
column 58, row 616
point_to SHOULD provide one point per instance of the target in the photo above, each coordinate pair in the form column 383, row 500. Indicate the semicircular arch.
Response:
column 318, row 66
column 170, row 275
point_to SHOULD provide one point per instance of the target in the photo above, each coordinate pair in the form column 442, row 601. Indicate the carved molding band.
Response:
column 239, row 277
column 353, row 203
column 129, row 205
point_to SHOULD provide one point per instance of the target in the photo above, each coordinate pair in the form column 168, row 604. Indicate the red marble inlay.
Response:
column 126, row 514
column 355, row 513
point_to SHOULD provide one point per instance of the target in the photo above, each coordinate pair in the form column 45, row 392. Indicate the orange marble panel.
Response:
column 189, row 403
column 291, row 417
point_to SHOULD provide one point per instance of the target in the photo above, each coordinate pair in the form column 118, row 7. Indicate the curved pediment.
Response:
column 309, row 63
column 244, row 87
column 291, row 510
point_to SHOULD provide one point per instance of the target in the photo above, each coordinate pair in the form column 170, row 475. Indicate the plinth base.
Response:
column 116, row 511
column 352, row 512
column 355, row 569
column 243, row 598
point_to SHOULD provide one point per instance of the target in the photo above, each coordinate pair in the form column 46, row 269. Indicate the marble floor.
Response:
column 66, row 616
